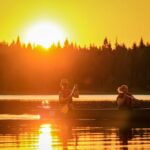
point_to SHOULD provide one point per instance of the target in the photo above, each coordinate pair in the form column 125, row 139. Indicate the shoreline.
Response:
column 84, row 92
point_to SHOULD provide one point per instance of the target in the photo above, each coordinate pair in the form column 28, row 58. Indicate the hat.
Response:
column 122, row 89
column 64, row 82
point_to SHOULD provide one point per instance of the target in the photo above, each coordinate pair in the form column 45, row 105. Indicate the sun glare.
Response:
column 45, row 137
column 44, row 34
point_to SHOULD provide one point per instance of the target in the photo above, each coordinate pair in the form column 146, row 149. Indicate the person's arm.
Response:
column 76, row 92
column 135, row 102
column 130, row 99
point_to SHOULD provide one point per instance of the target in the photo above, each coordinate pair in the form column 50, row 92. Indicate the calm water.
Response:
column 17, row 134
column 48, row 136
column 81, row 98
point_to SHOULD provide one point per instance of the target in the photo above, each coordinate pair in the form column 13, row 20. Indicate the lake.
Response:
column 17, row 132
column 51, row 136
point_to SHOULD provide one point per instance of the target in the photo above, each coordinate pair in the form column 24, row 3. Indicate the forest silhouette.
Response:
column 28, row 69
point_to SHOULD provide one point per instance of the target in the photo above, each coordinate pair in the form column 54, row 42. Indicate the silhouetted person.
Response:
column 65, row 96
column 124, row 99
column 125, row 105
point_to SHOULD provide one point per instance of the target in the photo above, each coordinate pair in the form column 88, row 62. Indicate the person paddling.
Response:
column 66, row 95
column 124, row 99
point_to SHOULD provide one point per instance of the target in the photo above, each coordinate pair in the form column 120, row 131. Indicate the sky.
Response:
column 82, row 21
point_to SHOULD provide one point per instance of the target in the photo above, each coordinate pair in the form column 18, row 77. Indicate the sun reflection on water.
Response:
column 45, row 137
column 62, row 136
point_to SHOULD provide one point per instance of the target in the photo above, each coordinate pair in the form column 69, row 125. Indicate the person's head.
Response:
column 122, row 89
column 64, row 83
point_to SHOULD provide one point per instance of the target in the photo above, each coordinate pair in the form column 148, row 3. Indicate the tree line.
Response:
column 28, row 69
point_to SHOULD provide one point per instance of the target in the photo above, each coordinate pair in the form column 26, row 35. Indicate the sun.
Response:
column 44, row 34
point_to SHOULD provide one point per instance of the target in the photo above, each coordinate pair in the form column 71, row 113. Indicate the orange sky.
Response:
column 83, row 21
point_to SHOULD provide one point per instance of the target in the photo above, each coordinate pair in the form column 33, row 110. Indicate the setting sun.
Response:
column 44, row 34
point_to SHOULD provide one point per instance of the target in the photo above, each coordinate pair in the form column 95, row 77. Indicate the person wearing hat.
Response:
column 124, row 98
column 66, row 95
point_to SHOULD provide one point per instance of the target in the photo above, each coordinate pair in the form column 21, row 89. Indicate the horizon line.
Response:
column 73, row 43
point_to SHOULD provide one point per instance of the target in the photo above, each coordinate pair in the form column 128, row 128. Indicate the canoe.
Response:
column 141, row 114
column 83, row 117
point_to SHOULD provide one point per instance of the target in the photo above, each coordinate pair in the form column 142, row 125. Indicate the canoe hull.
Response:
column 101, row 114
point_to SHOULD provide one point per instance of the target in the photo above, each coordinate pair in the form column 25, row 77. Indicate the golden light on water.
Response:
column 45, row 137
column 48, row 137
column 44, row 33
